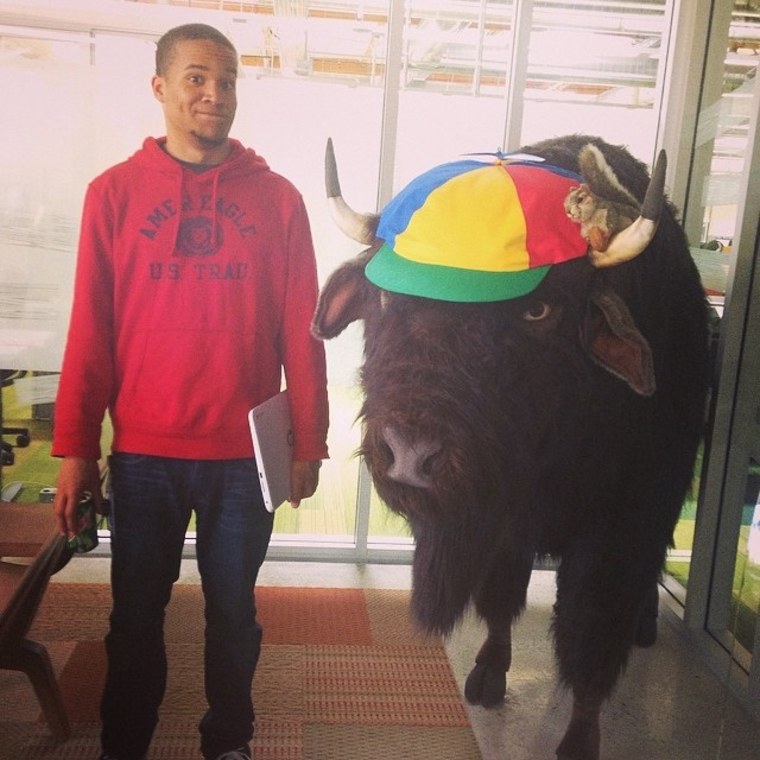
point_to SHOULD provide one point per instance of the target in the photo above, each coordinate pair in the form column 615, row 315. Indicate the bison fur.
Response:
column 563, row 424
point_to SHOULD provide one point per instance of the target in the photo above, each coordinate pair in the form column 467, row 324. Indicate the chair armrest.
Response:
column 17, row 615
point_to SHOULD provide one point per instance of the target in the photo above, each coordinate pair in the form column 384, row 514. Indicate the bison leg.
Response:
column 646, row 632
column 486, row 685
column 582, row 738
column 601, row 593
column 499, row 601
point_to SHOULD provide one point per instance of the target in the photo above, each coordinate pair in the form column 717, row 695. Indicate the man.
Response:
column 195, row 286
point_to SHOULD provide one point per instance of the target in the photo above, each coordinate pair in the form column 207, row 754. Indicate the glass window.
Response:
column 44, row 157
column 740, row 621
column 501, row 74
column 399, row 86
column 453, row 81
column 457, row 47
column 720, row 157
column 321, row 77
column 595, row 67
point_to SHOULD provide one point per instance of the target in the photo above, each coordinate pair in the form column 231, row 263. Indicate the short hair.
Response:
column 165, row 46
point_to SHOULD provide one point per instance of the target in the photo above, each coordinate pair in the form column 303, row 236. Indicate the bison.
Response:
column 550, row 409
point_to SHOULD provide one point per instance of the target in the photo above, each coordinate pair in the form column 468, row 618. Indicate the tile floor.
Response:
column 668, row 706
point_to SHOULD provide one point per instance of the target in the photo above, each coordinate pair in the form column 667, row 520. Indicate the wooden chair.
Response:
column 22, row 587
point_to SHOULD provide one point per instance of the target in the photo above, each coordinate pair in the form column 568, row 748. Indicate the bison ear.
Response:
column 346, row 297
column 613, row 341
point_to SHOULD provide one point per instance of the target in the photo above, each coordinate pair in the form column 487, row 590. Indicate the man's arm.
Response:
column 86, row 380
column 303, row 355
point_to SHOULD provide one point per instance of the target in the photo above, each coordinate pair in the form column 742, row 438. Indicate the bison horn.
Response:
column 632, row 241
column 359, row 227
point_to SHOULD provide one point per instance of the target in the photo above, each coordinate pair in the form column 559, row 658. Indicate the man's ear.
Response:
column 157, row 85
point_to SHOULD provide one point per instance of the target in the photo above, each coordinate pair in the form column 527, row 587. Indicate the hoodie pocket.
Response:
column 188, row 381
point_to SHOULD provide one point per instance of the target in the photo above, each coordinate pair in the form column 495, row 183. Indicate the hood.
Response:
column 152, row 157
column 241, row 161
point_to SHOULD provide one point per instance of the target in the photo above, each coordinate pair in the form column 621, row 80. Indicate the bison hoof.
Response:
column 581, row 741
column 485, row 686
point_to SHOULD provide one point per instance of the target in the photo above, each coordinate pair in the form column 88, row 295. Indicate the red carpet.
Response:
column 343, row 675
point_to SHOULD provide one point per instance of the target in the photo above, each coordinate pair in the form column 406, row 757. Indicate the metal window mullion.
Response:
column 517, row 76
column 363, row 503
column 388, row 138
column 702, row 140
column 683, row 73
column 389, row 130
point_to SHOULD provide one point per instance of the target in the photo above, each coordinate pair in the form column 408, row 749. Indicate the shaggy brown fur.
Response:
column 562, row 424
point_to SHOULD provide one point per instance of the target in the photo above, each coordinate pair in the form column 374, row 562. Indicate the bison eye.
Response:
column 537, row 311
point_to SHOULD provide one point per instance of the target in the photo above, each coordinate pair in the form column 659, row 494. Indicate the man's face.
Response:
column 197, row 92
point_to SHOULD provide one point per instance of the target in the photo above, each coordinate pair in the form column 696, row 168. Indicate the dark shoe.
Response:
column 242, row 753
column 104, row 756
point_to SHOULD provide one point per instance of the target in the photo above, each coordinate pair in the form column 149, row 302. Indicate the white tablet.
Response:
column 272, row 433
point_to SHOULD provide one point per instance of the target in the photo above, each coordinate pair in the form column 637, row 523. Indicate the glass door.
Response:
column 723, row 153
column 722, row 220
column 735, row 592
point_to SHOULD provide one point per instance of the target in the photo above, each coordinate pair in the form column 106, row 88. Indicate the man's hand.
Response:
column 76, row 476
column 304, row 479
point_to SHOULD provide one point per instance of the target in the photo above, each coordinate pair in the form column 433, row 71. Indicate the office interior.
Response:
column 400, row 86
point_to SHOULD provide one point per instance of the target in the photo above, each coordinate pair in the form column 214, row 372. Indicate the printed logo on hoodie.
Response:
column 198, row 236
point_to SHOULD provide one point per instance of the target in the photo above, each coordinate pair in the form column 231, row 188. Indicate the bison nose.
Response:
column 411, row 458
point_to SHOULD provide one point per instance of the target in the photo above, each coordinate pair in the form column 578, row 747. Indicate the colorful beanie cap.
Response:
column 471, row 231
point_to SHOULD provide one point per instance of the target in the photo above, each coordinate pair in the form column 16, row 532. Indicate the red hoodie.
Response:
column 193, row 291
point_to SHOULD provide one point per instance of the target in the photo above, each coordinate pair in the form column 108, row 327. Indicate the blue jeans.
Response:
column 152, row 500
